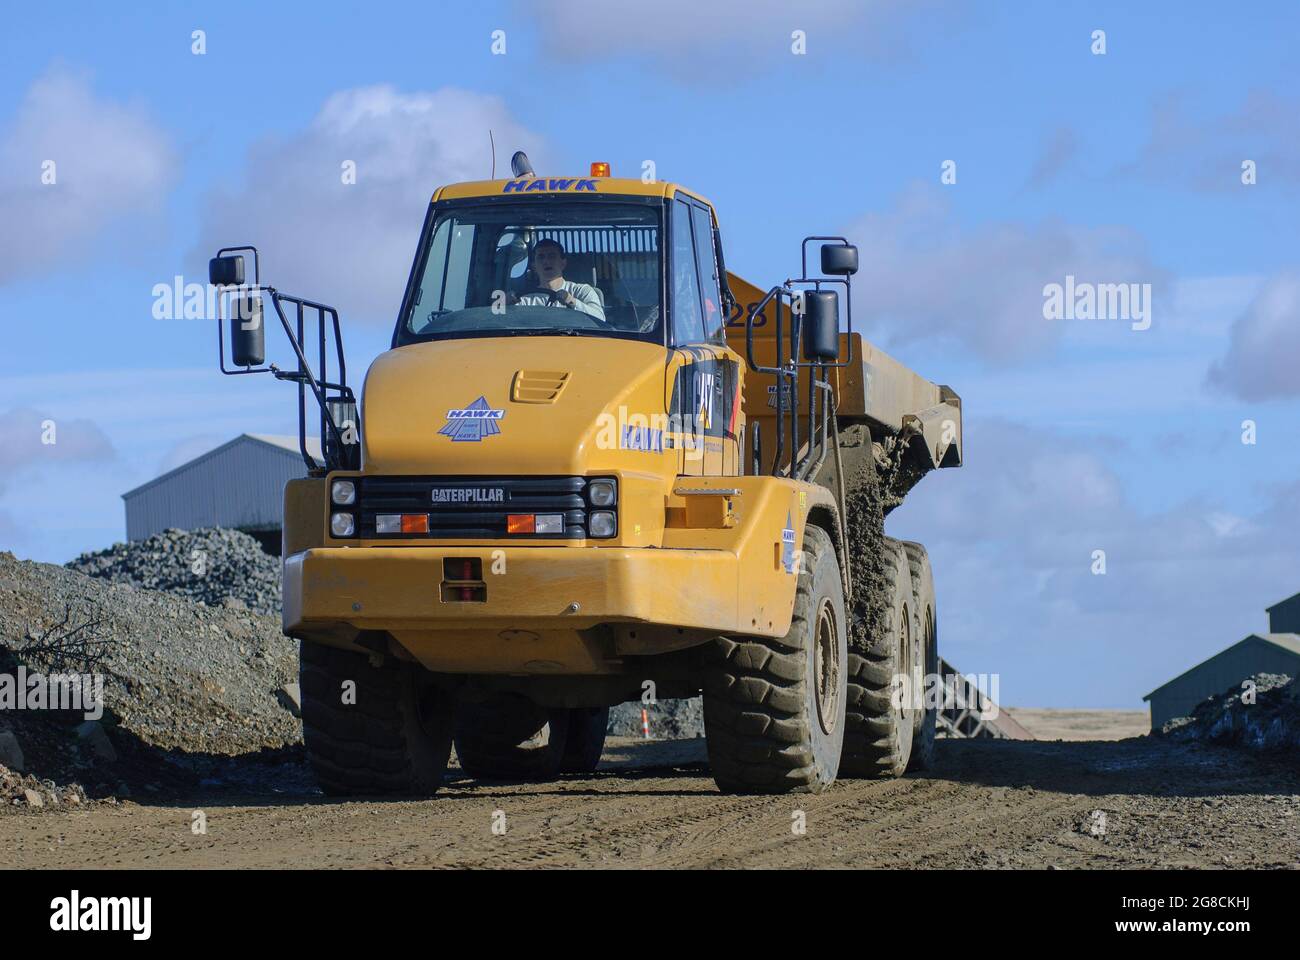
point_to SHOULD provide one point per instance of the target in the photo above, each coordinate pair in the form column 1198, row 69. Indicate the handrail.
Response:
column 787, row 371
column 321, row 386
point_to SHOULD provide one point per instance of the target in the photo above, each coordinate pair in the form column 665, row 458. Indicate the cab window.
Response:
column 478, row 274
column 708, row 270
column 687, row 307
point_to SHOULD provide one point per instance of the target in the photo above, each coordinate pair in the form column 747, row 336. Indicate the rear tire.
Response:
column 586, row 739
column 774, row 707
column 928, row 640
column 880, row 721
column 508, row 737
column 393, row 738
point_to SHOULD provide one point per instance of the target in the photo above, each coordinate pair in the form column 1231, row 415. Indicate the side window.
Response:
column 708, row 266
column 687, row 313
column 445, row 288
column 459, row 262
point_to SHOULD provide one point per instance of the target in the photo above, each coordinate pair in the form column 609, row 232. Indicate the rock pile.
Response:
column 1262, row 713
column 177, row 675
column 668, row 719
column 214, row 566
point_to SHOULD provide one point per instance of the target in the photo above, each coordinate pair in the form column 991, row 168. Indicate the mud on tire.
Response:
column 394, row 738
column 879, row 725
column 923, row 619
column 774, row 708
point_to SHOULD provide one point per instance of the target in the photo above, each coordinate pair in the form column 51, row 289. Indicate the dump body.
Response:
column 870, row 386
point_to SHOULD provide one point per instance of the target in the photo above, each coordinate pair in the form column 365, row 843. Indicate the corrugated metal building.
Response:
column 1277, row 651
column 240, row 485
column 1284, row 616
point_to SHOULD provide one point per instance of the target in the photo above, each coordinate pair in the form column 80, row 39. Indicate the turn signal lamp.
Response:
column 521, row 523
column 415, row 523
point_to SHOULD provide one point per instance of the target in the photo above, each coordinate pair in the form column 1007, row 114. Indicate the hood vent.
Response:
column 538, row 386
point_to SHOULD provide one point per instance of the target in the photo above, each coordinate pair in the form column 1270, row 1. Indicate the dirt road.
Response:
column 1130, row 803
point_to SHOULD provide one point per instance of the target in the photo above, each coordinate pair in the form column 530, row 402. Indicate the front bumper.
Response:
column 545, row 609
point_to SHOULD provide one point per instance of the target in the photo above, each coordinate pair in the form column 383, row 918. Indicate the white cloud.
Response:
column 1059, row 150
column 1261, row 360
column 350, row 245
column 706, row 41
column 1205, row 152
column 109, row 160
column 925, row 276
column 31, row 438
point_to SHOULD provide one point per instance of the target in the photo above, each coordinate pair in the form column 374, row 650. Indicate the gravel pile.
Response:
column 1271, row 722
column 177, row 675
column 20, row 790
column 669, row 719
column 213, row 566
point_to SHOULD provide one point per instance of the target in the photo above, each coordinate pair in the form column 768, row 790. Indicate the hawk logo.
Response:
column 527, row 185
column 472, row 423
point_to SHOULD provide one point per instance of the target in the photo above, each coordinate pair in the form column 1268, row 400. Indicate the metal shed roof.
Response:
column 277, row 441
column 1283, row 603
column 239, row 484
column 1286, row 641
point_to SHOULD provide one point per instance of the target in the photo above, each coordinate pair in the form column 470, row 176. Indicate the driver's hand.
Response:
column 568, row 299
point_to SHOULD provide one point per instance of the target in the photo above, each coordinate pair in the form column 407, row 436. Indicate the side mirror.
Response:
column 226, row 271
column 247, row 335
column 821, row 324
column 839, row 260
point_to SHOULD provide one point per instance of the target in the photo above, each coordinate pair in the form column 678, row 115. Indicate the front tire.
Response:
column 774, row 707
column 372, row 730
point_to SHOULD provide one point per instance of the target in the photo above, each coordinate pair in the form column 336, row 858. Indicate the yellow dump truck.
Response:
column 596, row 467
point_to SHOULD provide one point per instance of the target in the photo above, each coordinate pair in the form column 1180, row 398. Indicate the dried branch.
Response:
column 66, row 643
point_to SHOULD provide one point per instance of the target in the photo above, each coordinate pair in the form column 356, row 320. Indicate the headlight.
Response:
column 601, row 524
column 344, row 493
column 602, row 493
column 342, row 524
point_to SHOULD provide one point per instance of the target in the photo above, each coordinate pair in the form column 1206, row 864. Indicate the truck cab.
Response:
column 599, row 451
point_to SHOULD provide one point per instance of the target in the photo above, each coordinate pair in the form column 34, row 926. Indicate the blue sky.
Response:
column 1081, row 434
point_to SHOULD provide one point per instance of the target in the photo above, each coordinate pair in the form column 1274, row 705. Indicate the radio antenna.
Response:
column 493, row 142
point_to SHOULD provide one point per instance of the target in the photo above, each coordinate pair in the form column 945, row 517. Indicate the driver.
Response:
column 548, row 263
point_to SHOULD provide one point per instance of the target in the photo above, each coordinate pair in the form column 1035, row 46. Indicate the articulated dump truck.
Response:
column 596, row 467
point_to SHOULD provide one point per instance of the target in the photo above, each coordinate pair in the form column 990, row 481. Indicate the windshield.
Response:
column 539, row 268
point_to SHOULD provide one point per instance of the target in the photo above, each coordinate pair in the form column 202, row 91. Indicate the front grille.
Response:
column 471, row 508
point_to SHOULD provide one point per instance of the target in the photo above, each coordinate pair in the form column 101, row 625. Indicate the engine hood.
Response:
column 509, row 405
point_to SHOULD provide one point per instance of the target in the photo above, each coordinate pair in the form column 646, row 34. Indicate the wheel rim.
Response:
column 906, row 661
column 826, row 667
